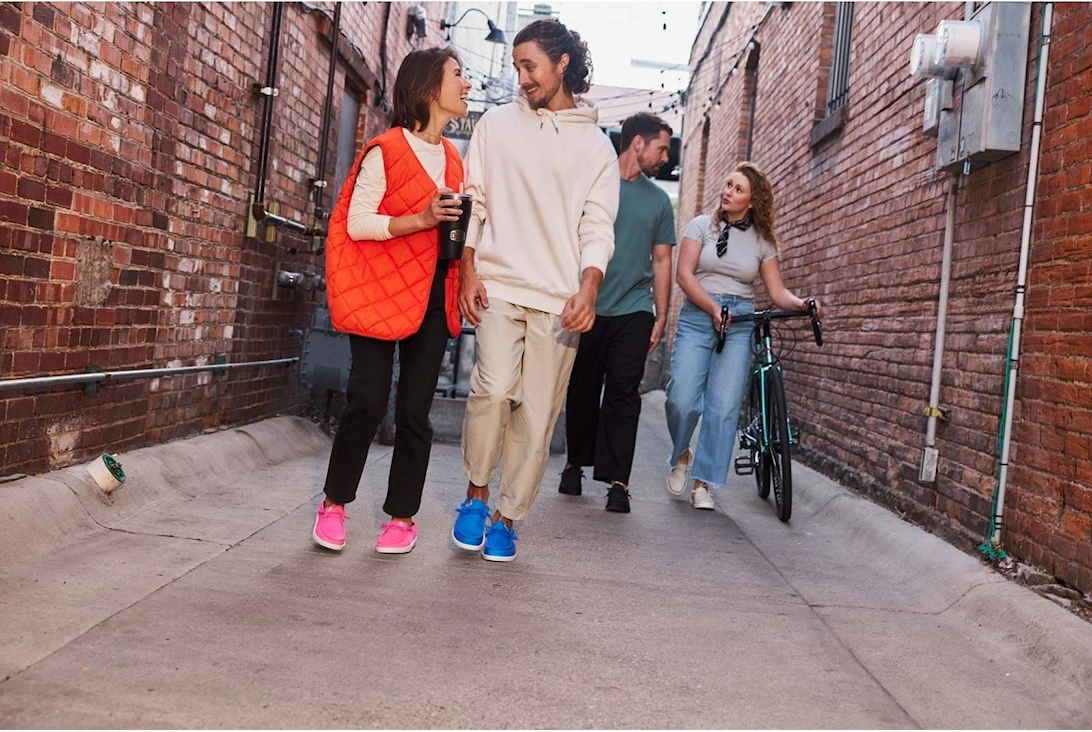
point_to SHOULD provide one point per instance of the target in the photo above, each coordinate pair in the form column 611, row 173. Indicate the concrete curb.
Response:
column 46, row 511
column 941, row 578
column 876, row 530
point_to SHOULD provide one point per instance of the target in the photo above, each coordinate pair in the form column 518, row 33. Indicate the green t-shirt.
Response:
column 644, row 219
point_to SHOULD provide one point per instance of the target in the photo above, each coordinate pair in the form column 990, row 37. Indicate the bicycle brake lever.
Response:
column 722, row 332
column 816, row 325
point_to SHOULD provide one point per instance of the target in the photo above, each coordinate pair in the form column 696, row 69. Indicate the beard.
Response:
column 651, row 170
column 542, row 95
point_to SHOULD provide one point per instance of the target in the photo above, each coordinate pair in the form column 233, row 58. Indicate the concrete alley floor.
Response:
column 193, row 598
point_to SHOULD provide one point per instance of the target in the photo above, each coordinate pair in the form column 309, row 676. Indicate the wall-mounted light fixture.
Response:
column 496, row 35
column 416, row 22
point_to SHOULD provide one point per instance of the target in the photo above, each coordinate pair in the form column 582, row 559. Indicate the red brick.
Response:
column 40, row 218
column 30, row 189
column 11, row 19
column 14, row 212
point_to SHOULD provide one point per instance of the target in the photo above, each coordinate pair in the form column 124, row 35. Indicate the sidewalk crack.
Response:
column 834, row 633
column 900, row 611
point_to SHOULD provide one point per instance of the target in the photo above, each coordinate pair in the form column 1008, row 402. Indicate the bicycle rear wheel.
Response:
column 780, row 457
column 760, row 462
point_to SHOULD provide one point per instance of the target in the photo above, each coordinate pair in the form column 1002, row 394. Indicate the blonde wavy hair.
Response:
column 763, row 217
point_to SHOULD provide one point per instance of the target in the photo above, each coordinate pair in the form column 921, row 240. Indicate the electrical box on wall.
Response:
column 938, row 98
column 984, row 123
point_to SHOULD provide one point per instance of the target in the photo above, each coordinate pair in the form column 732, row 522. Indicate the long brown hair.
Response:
column 555, row 40
column 763, row 216
column 418, row 82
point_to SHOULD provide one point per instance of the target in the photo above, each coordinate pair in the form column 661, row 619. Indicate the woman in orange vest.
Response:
column 387, row 288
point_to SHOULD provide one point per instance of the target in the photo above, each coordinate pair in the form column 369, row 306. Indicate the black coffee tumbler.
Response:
column 453, row 233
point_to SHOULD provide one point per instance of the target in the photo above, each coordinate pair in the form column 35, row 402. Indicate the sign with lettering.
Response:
column 463, row 127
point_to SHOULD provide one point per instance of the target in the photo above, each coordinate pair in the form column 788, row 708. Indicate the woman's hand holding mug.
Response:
column 440, row 210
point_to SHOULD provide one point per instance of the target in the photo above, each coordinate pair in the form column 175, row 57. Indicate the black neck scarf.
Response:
column 743, row 224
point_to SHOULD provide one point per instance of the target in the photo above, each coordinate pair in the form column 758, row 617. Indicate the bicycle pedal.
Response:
column 744, row 466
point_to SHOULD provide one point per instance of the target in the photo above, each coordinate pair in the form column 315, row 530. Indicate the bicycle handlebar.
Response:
column 768, row 315
column 725, row 321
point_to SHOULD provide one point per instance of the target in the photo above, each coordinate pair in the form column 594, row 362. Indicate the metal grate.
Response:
column 838, row 88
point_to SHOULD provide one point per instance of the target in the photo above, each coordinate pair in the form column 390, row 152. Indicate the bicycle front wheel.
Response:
column 780, row 457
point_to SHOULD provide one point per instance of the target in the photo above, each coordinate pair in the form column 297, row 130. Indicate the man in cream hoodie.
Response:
column 545, row 183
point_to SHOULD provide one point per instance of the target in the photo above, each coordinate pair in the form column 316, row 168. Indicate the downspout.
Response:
column 258, row 208
column 319, row 184
column 269, row 91
column 381, row 97
column 992, row 547
column 933, row 411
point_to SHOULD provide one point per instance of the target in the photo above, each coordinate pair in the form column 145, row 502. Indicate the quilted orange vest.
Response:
column 380, row 289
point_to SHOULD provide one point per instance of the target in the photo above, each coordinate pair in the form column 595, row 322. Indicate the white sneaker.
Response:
column 700, row 498
column 680, row 474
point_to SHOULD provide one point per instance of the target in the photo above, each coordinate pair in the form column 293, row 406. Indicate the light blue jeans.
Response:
column 709, row 385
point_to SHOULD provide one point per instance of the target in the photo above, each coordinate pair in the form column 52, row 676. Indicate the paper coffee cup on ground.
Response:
column 106, row 471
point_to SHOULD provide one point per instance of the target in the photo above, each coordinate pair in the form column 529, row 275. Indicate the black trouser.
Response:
column 369, row 387
column 610, row 362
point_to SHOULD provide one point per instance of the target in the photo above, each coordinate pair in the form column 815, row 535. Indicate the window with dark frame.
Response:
column 838, row 85
column 750, row 87
column 347, row 143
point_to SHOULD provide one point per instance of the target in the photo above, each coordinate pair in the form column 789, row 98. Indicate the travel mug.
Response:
column 453, row 233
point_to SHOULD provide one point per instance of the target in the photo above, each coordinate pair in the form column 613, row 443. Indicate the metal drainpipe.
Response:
column 92, row 377
column 933, row 411
column 1021, row 277
column 382, row 96
column 269, row 91
column 320, row 184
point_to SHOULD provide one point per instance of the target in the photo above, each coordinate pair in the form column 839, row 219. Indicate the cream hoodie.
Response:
column 545, row 187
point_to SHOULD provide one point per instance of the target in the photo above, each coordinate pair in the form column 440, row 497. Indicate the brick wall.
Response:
column 129, row 137
column 1050, row 512
column 861, row 222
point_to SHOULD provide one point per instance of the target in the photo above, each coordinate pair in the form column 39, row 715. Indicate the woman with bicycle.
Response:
column 720, row 256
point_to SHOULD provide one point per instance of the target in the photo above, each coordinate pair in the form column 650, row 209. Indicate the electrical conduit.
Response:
column 992, row 546
column 933, row 411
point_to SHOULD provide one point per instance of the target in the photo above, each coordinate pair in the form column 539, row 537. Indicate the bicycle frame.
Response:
column 768, row 436
column 758, row 436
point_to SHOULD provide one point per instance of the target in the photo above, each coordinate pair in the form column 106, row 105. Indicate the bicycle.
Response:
column 767, row 436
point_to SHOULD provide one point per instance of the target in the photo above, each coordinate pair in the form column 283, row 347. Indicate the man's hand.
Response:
column 578, row 315
column 472, row 293
column 657, row 334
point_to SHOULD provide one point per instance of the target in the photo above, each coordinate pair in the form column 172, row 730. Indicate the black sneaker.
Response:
column 618, row 498
column 570, row 481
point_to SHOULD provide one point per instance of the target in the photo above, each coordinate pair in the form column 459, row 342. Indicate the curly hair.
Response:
column 763, row 216
column 555, row 40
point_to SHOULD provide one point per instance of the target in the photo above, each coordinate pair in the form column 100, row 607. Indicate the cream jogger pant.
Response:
column 517, row 388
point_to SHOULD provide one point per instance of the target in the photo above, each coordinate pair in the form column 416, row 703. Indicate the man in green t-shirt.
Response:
column 630, row 315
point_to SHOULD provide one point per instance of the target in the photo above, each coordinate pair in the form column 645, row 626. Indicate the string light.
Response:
column 714, row 101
